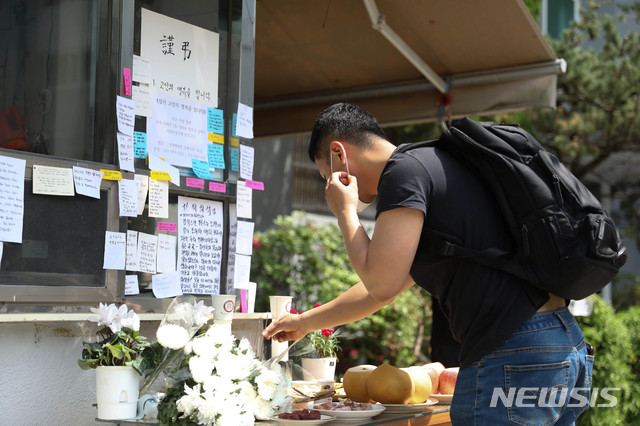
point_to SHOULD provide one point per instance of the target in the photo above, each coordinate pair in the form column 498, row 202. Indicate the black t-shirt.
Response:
column 484, row 305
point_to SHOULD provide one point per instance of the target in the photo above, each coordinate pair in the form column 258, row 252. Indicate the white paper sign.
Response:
column 125, row 152
column 244, row 200
column 128, row 197
column 87, row 181
column 126, row 113
column 244, row 125
column 142, row 98
column 141, row 71
column 158, row 198
column 133, row 259
column 231, row 260
column 184, row 58
column 166, row 285
column 244, row 239
column 177, row 131
column 147, row 249
column 243, row 270
column 53, row 180
column 11, row 199
column 142, row 185
column 115, row 249
column 200, row 229
column 246, row 162
column 131, row 285
column 167, row 245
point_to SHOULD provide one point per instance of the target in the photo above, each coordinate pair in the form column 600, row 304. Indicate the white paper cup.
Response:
column 223, row 306
column 280, row 305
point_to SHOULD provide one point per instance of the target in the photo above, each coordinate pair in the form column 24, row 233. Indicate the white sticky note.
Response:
column 147, row 249
column 166, row 285
column 126, row 114
column 133, row 259
column 242, row 271
column 244, row 200
column 52, row 180
column 87, row 181
column 115, row 249
column 159, row 165
column 246, row 162
column 11, row 198
column 244, row 237
column 142, row 186
column 167, row 245
column 244, row 123
column 141, row 71
column 158, row 198
column 231, row 260
column 128, row 197
column 125, row 152
column 142, row 97
column 131, row 285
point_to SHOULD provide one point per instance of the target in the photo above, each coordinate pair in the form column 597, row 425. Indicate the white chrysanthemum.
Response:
column 172, row 336
column 245, row 347
column 188, row 348
column 201, row 368
column 220, row 334
column 183, row 311
column 201, row 314
column 267, row 382
column 280, row 398
column 190, row 401
column 247, row 391
column 204, row 346
column 262, row 409
column 244, row 418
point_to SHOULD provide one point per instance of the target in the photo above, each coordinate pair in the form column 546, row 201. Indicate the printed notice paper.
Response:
column 244, row 238
column 147, row 244
column 11, row 199
column 131, row 285
column 166, row 285
column 52, row 180
column 115, row 249
column 87, row 181
column 246, row 162
column 167, row 252
column 125, row 111
column 200, row 229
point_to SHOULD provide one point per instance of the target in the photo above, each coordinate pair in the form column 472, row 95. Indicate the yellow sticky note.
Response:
column 216, row 138
column 155, row 175
column 235, row 142
column 111, row 174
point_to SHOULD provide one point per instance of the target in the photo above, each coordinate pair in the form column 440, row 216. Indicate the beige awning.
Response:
column 312, row 53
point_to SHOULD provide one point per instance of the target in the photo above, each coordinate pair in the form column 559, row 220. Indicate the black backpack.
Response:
column 565, row 242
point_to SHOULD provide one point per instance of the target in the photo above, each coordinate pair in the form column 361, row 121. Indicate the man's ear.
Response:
column 338, row 150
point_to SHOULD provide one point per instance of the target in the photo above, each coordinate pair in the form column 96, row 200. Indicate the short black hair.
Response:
column 344, row 122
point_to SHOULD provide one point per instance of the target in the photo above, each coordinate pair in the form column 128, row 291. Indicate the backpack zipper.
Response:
column 556, row 185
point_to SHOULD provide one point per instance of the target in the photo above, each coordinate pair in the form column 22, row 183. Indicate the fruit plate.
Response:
column 354, row 415
column 442, row 398
column 288, row 422
column 408, row 408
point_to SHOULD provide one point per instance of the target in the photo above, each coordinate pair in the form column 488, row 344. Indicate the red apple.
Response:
column 447, row 380
column 438, row 366
column 434, row 377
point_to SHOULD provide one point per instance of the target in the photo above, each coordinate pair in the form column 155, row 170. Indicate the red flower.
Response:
column 256, row 243
column 315, row 305
column 326, row 332
column 293, row 311
column 353, row 353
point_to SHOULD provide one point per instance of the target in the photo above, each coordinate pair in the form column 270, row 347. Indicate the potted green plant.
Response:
column 116, row 358
column 319, row 348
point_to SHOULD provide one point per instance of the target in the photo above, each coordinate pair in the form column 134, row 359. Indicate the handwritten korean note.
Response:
column 87, row 181
column 115, row 249
column 147, row 252
column 158, row 164
column 246, row 162
column 167, row 245
column 166, row 285
column 11, row 198
column 242, row 270
column 141, row 70
column 126, row 115
column 244, row 200
column 231, row 260
column 244, row 238
column 131, row 285
column 128, row 197
column 158, row 198
column 125, row 152
column 200, row 229
column 133, row 257
column 142, row 186
column 53, row 180
column 244, row 125
column 140, row 145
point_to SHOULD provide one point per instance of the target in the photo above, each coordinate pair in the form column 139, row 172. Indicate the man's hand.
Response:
column 288, row 327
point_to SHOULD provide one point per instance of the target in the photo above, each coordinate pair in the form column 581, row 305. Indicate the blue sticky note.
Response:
column 234, row 122
column 216, row 155
column 235, row 159
column 139, row 145
column 201, row 169
column 215, row 121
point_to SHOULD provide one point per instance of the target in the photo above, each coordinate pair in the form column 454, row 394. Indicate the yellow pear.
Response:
column 390, row 385
column 354, row 382
column 422, row 384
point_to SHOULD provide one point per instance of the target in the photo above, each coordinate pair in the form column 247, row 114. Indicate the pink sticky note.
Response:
column 195, row 183
column 254, row 184
column 126, row 81
column 167, row 226
column 243, row 301
column 217, row 187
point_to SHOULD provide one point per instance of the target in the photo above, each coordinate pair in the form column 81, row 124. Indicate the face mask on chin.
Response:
column 361, row 205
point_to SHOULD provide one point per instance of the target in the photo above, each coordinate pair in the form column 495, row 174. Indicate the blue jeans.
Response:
column 540, row 376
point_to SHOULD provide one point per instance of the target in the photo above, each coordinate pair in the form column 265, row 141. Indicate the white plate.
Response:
column 323, row 419
column 409, row 408
column 442, row 398
column 353, row 415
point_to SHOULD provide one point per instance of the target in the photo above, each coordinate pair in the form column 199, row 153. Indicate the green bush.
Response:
column 310, row 262
column 614, row 357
